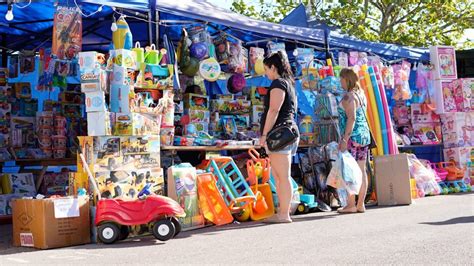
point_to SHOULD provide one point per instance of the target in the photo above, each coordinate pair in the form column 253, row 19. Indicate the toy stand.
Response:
column 235, row 190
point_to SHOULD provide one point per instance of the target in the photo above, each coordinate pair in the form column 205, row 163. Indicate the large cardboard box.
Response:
column 392, row 180
column 51, row 223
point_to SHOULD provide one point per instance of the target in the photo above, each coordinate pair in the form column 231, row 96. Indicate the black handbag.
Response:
column 282, row 136
column 373, row 143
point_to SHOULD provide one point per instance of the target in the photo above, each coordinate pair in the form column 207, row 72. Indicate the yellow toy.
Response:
column 122, row 37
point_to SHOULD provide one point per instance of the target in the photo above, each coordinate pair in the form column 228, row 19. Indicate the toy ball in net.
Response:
column 236, row 83
column 199, row 50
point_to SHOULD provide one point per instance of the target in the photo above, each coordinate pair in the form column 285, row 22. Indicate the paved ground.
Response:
column 434, row 230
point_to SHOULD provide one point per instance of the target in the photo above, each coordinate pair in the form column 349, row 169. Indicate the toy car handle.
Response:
column 246, row 200
column 254, row 154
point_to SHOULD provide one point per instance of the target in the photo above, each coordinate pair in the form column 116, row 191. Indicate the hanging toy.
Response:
column 122, row 37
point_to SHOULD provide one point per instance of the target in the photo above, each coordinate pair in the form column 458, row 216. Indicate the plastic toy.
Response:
column 211, row 203
column 440, row 172
column 454, row 173
column 236, row 192
column 113, row 217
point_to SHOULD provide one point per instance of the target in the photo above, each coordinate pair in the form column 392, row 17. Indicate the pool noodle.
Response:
column 388, row 120
column 369, row 107
column 378, row 100
column 375, row 113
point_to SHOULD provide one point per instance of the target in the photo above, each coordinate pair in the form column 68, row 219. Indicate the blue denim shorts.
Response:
column 291, row 149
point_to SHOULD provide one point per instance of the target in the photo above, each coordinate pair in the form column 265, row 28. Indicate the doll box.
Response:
column 463, row 91
column 443, row 59
column 418, row 115
column 444, row 98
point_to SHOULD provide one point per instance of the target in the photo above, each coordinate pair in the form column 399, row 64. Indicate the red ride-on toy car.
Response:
column 114, row 216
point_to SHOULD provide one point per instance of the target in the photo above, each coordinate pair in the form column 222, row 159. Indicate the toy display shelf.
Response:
column 431, row 152
column 208, row 148
column 44, row 163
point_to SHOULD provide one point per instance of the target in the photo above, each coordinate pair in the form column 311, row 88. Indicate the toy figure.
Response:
column 449, row 103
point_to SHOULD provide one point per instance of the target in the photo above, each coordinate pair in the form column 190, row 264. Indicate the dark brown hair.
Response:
column 280, row 61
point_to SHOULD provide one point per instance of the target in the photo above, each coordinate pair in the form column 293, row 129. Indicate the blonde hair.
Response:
column 351, row 78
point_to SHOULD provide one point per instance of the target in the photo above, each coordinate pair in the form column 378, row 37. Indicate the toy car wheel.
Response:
column 177, row 225
column 124, row 232
column 303, row 208
column 108, row 233
column 164, row 230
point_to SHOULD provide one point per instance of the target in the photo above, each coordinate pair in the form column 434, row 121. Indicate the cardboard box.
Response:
column 22, row 129
column 99, row 124
column 94, row 86
column 257, row 111
column 418, row 115
column 120, row 99
column 196, row 101
column 182, row 187
column 457, row 129
column 392, row 180
column 127, row 184
column 231, row 107
column 198, row 116
column 136, row 124
column 463, row 91
column 443, row 96
column 51, row 223
column 18, row 183
column 119, row 76
column 443, row 59
column 122, row 57
column 461, row 156
column 95, row 102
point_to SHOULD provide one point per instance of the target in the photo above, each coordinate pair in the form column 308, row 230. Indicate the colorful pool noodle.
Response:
column 378, row 100
column 369, row 113
column 375, row 114
column 391, row 135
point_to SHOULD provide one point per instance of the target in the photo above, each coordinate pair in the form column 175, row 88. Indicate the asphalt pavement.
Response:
column 433, row 230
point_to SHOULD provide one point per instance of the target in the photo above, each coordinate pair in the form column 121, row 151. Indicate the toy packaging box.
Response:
column 55, row 184
column 461, row 156
column 20, row 183
column 89, row 67
column 167, row 136
column 231, row 107
column 6, row 202
column 51, row 223
column 444, row 98
column 99, row 123
column 77, row 181
column 95, row 101
column 196, row 101
column 443, row 59
column 120, row 99
column 136, row 124
column 458, row 130
column 122, row 57
column 257, row 111
column 123, row 153
column 463, row 91
column 127, row 184
column 119, row 76
column 201, row 127
column 429, row 133
column 22, row 131
column 419, row 115
column 182, row 187
column 198, row 116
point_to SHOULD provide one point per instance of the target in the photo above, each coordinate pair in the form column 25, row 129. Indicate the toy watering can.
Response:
column 139, row 53
column 152, row 56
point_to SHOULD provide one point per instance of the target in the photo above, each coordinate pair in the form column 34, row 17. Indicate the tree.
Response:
column 415, row 23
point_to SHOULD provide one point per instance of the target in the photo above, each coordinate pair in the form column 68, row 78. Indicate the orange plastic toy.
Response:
column 211, row 202
column 454, row 173
column 257, row 168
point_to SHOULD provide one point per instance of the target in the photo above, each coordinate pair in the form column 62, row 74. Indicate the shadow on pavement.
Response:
column 458, row 220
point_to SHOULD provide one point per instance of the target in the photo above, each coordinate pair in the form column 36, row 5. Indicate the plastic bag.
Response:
column 345, row 174
column 425, row 177
column 351, row 173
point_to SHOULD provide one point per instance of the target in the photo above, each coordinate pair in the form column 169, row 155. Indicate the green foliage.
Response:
column 415, row 23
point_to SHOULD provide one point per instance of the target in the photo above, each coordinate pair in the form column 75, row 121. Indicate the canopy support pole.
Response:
column 4, row 51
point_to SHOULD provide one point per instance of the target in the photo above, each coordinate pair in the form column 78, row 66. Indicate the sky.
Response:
column 222, row 3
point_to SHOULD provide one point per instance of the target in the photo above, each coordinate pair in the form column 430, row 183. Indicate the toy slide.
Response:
column 264, row 206
column 369, row 107
column 375, row 114
column 391, row 138
column 211, row 202
column 378, row 100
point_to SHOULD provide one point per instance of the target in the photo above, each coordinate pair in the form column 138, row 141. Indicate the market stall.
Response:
column 165, row 98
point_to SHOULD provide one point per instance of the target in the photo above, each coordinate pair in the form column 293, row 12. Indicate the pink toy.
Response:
column 441, row 173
